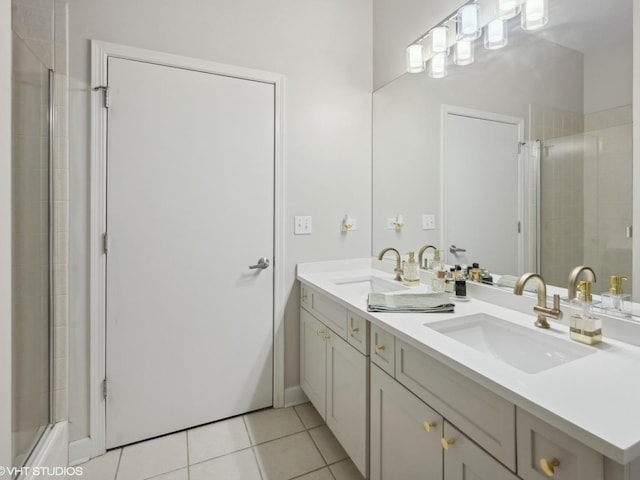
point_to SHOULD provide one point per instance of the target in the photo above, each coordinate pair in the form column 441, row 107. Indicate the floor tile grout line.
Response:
column 317, row 447
column 253, row 450
column 118, row 464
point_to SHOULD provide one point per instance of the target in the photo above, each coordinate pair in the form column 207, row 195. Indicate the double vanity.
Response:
column 480, row 393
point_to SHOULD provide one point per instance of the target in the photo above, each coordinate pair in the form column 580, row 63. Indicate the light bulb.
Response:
column 439, row 42
column 495, row 35
column 508, row 8
column 467, row 22
column 438, row 66
column 535, row 14
column 463, row 53
column 415, row 58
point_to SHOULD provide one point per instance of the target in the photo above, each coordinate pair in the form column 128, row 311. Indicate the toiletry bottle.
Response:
column 438, row 282
column 485, row 277
column 411, row 273
column 475, row 272
column 584, row 326
column 615, row 299
column 450, row 281
column 436, row 264
column 461, row 284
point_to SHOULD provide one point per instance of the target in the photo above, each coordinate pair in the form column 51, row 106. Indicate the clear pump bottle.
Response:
column 585, row 327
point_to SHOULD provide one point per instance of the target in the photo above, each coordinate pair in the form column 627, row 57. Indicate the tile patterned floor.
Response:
column 270, row 444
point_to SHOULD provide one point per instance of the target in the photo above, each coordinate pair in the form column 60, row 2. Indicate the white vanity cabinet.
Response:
column 405, row 433
column 334, row 372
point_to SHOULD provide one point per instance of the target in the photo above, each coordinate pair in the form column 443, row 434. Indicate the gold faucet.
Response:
column 398, row 268
column 541, row 308
column 573, row 279
column 421, row 254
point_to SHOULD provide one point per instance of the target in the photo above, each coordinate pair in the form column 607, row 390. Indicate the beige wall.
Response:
column 325, row 51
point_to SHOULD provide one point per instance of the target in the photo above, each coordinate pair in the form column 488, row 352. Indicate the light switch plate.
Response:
column 428, row 222
column 302, row 225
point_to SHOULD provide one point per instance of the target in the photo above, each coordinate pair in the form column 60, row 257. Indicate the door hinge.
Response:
column 105, row 242
column 104, row 388
column 519, row 227
column 105, row 94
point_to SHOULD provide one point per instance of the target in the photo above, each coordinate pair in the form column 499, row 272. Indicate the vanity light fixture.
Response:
column 508, row 9
column 467, row 22
column 439, row 42
column 415, row 58
column 495, row 35
column 438, row 65
column 463, row 52
column 535, row 14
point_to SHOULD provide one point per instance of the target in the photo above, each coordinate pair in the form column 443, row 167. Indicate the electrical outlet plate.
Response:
column 428, row 222
column 391, row 223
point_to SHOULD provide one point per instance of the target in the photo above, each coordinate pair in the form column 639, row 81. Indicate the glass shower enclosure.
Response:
column 31, row 251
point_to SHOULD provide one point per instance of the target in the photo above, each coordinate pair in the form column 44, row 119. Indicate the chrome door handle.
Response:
column 455, row 250
column 262, row 264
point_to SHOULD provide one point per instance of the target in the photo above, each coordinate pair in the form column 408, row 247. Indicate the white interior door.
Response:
column 190, row 205
column 482, row 192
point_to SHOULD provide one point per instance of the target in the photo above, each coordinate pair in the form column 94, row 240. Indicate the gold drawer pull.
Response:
column 547, row 466
column 326, row 337
column 320, row 332
column 445, row 443
column 379, row 348
column 429, row 425
column 354, row 330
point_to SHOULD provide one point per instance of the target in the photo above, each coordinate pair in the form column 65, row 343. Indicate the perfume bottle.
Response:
column 584, row 326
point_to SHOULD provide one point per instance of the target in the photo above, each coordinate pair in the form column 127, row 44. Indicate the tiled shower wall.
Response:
column 560, row 193
column 586, row 193
column 42, row 26
column 608, row 194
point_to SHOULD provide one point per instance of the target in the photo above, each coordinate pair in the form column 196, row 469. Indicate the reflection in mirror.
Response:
column 570, row 85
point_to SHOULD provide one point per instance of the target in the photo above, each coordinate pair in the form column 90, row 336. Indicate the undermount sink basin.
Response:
column 368, row 284
column 525, row 349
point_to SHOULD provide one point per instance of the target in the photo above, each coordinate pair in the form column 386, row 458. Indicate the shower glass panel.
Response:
column 586, row 204
column 31, row 302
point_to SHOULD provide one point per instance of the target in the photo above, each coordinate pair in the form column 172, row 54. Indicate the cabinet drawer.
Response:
column 358, row 332
column 485, row 417
column 464, row 460
column 382, row 349
column 327, row 311
column 539, row 442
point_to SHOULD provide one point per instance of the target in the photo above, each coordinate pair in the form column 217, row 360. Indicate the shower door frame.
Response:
column 100, row 52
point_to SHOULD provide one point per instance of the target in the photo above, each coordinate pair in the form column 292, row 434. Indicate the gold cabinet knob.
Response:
column 446, row 442
column 320, row 333
column 326, row 337
column 429, row 425
column 548, row 466
column 354, row 330
column 379, row 348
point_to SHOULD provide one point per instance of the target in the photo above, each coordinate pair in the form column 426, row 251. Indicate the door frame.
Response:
column 100, row 52
column 447, row 110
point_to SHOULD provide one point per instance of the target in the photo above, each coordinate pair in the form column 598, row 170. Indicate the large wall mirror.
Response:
column 547, row 184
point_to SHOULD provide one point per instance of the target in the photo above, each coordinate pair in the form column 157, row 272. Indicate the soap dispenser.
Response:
column 436, row 263
column 585, row 327
column 615, row 300
column 411, row 271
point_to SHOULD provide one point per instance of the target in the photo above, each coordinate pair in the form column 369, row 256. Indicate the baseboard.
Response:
column 51, row 456
column 79, row 451
column 294, row 396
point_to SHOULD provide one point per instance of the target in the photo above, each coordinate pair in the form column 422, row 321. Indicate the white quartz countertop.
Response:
column 595, row 399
